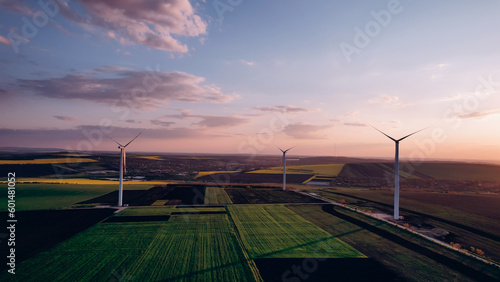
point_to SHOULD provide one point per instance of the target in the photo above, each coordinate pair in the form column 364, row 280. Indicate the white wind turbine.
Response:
column 396, row 169
column 284, row 165
column 123, row 167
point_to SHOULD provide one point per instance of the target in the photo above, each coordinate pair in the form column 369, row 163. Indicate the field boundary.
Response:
column 459, row 225
column 251, row 263
column 440, row 258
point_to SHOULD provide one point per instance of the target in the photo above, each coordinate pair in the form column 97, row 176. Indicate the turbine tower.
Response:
column 284, row 165
column 396, row 169
column 123, row 167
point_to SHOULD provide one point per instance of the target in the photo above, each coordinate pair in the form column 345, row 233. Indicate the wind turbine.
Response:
column 123, row 167
column 284, row 165
column 396, row 168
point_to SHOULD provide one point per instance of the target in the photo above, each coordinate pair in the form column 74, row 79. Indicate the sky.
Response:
column 243, row 77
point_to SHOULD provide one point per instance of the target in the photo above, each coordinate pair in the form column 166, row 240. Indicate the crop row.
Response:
column 214, row 195
column 275, row 231
column 185, row 248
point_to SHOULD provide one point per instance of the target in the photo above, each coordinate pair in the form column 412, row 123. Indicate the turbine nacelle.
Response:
column 396, row 169
column 123, row 168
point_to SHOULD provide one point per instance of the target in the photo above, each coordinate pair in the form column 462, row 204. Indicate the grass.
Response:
column 275, row 231
column 321, row 170
column 55, row 196
column 146, row 211
column 185, row 248
column 411, row 265
column 214, row 195
column 459, row 171
column 48, row 161
column 477, row 211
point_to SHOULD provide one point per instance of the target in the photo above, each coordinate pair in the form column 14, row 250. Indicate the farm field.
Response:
column 273, row 231
column 40, row 230
column 191, row 247
column 459, row 171
column 400, row 256
column 268, row 195
column 475, row 210
column 216, row 195
column 56, row 196
column 471, row 219
column 321, row 170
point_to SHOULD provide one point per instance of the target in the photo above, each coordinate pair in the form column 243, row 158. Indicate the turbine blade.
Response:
column 413, row 133
column 384, row 133
column 133, row 139
column 114, row 141
column 289, row 149
column 280, row 149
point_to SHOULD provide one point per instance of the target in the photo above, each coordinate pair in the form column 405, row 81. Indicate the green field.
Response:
column 459, row 171
column 215, row 195
column 275, row 231
column 321, row 170
column 185, row 248
column 411, row 265
column 44, row 196
column 146, row 211
column 475, row 210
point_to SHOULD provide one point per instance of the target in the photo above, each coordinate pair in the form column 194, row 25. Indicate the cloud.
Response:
column 303, row 130
column 358, row 124
column 17, row 7
column 131, row 89
column 221, row 121
column 479, row 114
column 209, row 120
column 248, row 63
column 150, row 23
column 386, row 100
column 133, row 121
column 5, row 41
column 351, row 114
column 66, row 118
column 162, row 123
column 80, row 135
column 111, row 69
column 285, row 109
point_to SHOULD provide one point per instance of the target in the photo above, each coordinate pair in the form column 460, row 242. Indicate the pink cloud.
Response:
column 303, row 130
column 132, row 89
column 151, row 23
column 4, row 40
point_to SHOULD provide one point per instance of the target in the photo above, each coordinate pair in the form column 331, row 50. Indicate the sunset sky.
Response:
column 241, row 76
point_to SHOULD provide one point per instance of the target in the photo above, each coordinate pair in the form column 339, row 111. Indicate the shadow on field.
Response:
column 324, row 269
column 177, row 194
column 459, row 225
column 451, row 263
column 138, row 218
column 243, row 195
column 37, row 231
